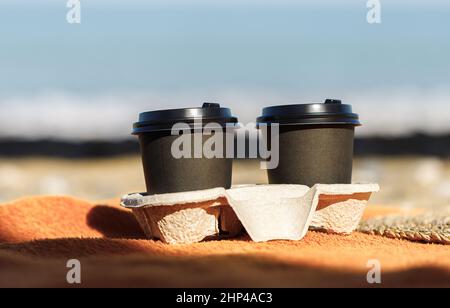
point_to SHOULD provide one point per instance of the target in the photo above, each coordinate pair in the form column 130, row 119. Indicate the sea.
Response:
column 89, row 80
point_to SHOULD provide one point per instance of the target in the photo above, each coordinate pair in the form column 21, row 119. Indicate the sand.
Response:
column 406, row 182
column 38, row 235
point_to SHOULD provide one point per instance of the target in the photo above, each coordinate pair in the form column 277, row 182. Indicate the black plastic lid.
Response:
column 162, row 120
column 332, row 112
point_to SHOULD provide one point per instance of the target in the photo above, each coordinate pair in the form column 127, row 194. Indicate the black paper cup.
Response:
column 165, row 173
column 315, row 142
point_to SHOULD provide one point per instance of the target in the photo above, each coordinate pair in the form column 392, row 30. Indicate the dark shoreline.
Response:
column 419, row 144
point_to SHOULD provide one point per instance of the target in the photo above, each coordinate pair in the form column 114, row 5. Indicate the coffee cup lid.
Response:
column 331, row 112
column 162, row 120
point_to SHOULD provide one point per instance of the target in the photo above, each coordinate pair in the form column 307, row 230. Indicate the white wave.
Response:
column 62, row 116
column 403, row 112
column 110, row 117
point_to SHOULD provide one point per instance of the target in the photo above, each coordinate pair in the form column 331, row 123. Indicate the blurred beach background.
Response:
column 69, row 93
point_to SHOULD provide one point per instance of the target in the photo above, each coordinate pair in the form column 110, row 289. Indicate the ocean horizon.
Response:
column 110, row 117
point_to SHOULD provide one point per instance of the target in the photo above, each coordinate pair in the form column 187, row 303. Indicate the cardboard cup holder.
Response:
column 267, row 212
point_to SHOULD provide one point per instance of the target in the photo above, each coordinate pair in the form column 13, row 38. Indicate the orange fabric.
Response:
column 38, row 235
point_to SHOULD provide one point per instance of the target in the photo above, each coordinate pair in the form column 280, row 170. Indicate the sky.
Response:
column 216, row 3
column 90, row 81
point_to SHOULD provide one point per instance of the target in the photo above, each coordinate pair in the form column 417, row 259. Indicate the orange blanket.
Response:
column 39, row 235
